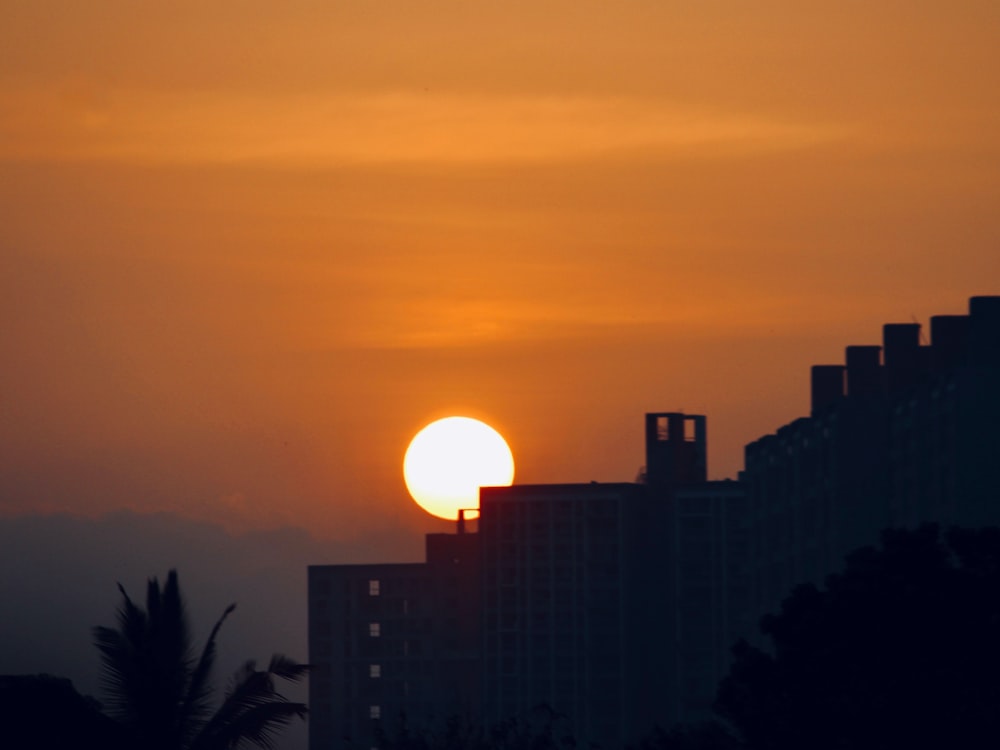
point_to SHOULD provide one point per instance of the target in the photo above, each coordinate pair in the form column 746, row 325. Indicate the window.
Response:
column 374, row 671
column 690, row 430
column 374, row 629
column 375, row 712
column 374, row 586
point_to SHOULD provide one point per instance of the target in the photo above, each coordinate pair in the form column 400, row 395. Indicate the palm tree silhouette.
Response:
column 161, row 693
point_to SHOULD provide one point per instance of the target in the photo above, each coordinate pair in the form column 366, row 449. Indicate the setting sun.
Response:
column 450, row 459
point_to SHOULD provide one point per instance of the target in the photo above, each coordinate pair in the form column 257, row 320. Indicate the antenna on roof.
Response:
column 923, row 339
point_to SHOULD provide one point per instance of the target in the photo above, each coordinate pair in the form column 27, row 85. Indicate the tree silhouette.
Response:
column 704, row 735
column 901, row 649
column 160, row 691
column 541, row 728
column 43, row 712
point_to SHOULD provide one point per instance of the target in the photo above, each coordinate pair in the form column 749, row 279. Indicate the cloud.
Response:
column 308, row 130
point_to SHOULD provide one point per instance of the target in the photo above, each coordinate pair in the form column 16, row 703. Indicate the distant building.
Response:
column 616, row 605
column 601, row 602
column 710, row 594
column 900, row 434
column 568, row 597
column 394, row 647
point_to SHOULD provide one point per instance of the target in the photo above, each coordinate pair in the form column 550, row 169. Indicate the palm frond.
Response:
column 253, row 709
column 286, row 668
column 132, row 621
column 196, row 703
column 248, row 687
column 118, row 672
column 260, row 725
column 142, row 675
column 157, row 689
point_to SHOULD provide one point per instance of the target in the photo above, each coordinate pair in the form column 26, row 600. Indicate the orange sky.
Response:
column 249, row 248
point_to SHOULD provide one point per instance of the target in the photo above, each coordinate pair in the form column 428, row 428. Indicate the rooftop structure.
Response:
column 569, row 596
column 615, row 605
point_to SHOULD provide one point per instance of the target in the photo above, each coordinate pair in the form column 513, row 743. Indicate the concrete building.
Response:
column 394, row 646
column 610, row 604
column 899, row 435
column 616, row 605
column 568, row 600
column 710, row 596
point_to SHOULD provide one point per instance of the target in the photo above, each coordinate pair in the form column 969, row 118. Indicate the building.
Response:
column 710, row 595
column 567, row 597
column 603, row 603
column 577, row 594
column 616, row 605
column 900, row 434
column 394, row 647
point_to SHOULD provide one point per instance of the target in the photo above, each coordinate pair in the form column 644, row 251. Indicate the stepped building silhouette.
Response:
column 898, row 435
column 611, row 608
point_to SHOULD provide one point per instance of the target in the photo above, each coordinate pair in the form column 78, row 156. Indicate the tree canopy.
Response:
column 901, row 649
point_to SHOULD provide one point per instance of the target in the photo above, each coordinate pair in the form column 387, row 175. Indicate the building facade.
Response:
column 563, row 626
column 900, row 434
column 707, row 555
column 394, row 647
column 606, row 604
column 615, row 606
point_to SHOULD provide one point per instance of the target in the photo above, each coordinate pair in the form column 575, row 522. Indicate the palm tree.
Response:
column 161, row 692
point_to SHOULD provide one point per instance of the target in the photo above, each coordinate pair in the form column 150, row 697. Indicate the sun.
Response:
column 450, row 459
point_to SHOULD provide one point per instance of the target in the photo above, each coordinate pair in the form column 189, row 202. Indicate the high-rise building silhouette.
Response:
column 572, row 597
column 394, row 645
column 899, row 435
column 560, row 589
column 615, row 605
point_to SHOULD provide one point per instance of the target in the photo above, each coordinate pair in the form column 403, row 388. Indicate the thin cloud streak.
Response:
column 248, row 249
column 142, row 127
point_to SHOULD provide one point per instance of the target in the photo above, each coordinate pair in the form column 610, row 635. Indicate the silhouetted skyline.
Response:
column 247, row 252
column 617, row 605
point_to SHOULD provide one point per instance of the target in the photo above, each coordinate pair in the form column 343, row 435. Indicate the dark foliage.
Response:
column 542, row 729
column 900, row 650
column 160, row 691
column 708, row 735
column 41, row 712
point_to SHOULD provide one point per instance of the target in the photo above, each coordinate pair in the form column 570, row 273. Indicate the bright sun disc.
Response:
column 450, row 459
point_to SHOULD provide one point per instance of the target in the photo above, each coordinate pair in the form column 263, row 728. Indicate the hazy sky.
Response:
column 249, row 248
